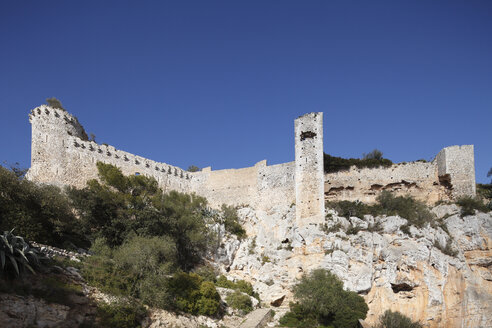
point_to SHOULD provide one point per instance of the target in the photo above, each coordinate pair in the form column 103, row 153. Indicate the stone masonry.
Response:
column 61, row 156
column 310, row 202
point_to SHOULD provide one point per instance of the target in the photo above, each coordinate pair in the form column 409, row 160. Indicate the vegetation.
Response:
column 38, row 212
column 373, row 159
column 145, row 242
column 448, row 249
column 416, row 212
column 231, row 223
column 16, row 255
column 322, row 301
column 122, row 314
column 193, row 168
column 395, row 319
column 238, row 300
column 469, row 205
column 121, row 206
column 143, row 268
column 55, row 103
column 241, row 285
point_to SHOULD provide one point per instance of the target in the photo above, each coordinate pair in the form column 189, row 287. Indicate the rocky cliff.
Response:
column 404, row 271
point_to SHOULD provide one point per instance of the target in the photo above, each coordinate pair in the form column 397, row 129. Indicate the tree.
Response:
column 395, row 319
column 489, row 174
column 375, row 154
column 37, row 212
column 55, row 103
column 321, row 300
column 193, row 168
column 118, row 206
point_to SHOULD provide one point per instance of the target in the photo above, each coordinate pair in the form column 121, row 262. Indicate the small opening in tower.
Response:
column 307, row 135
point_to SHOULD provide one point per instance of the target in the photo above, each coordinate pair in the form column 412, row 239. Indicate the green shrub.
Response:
column 406, row 229
column 102, row 272
column 353, row 229
column 231, row 223
column 240, row 301
column 321, row 300
column 146, row 255
column 37, row 212
column 193, row 295
column 207, row 273
column 469, row 205
column 123, row 314
column 54, row 290
column 336, row 164
column 55, row 103
column 416, row 212
column 448, row 249
column 298, row 317
column 193, row 168
column 119, row 207
column 209, row 302
column 347, row 208
column 395, row 319
column 241, row 285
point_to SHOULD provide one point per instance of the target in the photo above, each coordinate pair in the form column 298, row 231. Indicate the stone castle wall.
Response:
column 260, row 186
column 61, row 156
column 449, row 176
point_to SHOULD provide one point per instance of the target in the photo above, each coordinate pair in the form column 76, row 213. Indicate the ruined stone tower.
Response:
column 456, row 168
column 309, row 175
column 51, row 128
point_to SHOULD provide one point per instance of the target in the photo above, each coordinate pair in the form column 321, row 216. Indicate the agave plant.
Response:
column 18, row 252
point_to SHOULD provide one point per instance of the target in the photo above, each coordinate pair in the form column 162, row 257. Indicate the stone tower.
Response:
column 51, row 128
column 456, row 168
column 309, row 175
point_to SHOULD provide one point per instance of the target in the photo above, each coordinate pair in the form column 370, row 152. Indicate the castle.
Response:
column 62, row 155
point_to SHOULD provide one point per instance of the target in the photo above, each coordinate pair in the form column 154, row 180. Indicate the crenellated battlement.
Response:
column 57, row 119
column 61, row 154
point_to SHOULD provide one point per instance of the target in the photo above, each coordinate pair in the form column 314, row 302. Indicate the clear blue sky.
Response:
column 219, row 83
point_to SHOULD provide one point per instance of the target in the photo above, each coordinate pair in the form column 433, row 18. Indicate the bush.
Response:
column 55, row 103
column 321, row 300
column 469, row 205
column 240, row 285
column 395, row 319
column 448, row 249
column 120, row 207
column 193, row 168
column 239, row 301
column 54, row 290
column 347, row 208
column 146, row 255
column 484, row 191
column 123, row 314
column 416, row 212
column 231, row 223
column 336, row 164
column 37, row 212
column 193, row 295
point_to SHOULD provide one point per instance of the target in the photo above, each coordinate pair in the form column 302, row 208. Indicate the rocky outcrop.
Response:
column 389, row 268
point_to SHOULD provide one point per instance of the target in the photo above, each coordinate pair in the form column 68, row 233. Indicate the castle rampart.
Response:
column 62, row 155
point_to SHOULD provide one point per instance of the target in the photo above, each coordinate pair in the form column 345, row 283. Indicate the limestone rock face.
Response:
column 389, row 268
